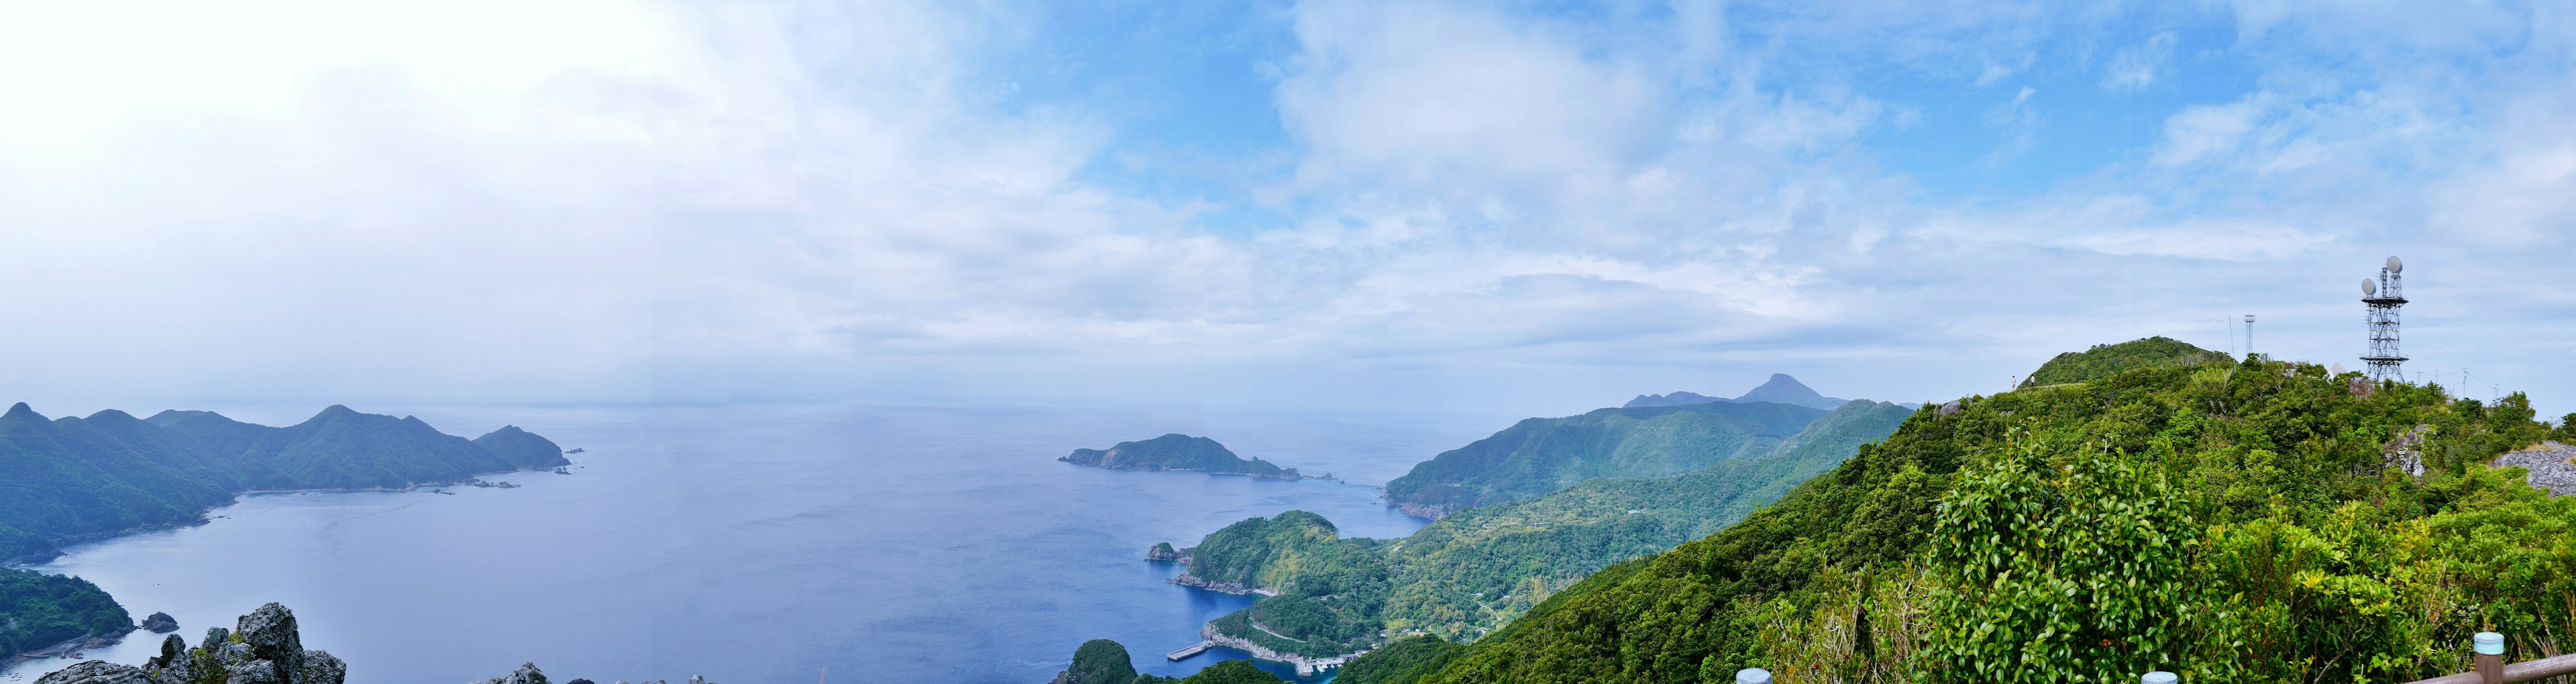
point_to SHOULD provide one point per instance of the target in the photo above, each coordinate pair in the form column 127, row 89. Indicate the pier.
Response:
column 1192, row 650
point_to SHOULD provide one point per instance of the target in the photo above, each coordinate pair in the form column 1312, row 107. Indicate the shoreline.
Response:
column 1306, row 666
column 1193, row 581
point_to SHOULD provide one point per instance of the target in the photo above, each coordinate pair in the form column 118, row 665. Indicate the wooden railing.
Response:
column 2487, row 646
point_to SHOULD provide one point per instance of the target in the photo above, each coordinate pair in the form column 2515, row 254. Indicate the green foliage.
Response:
column 2301, row 553
column 1542, row 455
column 1472, row 571
column 2059, row 567
column 2566, row 430
column 82, row 477
column 1402, row 661
column 1268, row 553
column 1478, row 569
column 1101, row 661
column 1177, row 452
column 39, row 610
column 2105, row 360
column 1228, row 672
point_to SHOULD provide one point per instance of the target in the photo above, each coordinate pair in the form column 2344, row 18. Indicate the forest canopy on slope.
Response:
column 1465, row 574
column 1541, row 455
column 75, row 478
column 2231, row 521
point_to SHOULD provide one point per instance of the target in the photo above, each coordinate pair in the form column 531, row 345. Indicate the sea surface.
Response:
column 763, row 543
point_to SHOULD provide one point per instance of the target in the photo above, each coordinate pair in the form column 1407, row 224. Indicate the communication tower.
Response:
column 2383, row 295
column 2249, row 334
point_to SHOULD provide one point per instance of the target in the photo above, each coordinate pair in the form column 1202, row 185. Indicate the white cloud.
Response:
column 2201, row 131
column 2135, row 67
column 613, row 200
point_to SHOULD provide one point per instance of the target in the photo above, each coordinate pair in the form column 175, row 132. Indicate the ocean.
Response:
column 764, row 543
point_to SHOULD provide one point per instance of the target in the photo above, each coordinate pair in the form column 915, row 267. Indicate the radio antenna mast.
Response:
column 2384, row 295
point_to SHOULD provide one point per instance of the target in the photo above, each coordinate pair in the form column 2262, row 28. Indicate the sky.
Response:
column 1530, row 208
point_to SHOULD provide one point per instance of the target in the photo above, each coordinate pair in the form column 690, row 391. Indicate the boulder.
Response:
column 526, row 674
column 95, row 672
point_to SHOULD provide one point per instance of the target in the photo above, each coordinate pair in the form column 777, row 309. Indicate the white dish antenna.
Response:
column 2394, row 266
column 2369, row 287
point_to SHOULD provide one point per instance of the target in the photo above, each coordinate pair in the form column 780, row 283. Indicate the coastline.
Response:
column 1189, row 580
column 1160, row 469
column 21, row 561
column 1306, row 667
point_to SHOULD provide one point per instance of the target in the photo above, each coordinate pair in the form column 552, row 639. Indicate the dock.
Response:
column 1194, row 649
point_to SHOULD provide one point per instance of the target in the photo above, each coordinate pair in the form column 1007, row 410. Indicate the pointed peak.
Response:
column 21, row 411
column 1780, row 385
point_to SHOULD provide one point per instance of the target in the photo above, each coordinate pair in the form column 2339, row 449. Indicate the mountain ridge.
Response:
column 1780, row 389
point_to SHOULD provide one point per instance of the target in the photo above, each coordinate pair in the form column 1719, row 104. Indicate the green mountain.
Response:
column 1542, row 455
column 1780, row 389
column 1476, row 569
column 2105, row 360
column 1479, row 568
column 78, row 478
column 2227, row 521
column 1178, row 452
column 39, row 610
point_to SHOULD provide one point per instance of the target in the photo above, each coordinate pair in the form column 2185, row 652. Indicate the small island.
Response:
column 1179, row 452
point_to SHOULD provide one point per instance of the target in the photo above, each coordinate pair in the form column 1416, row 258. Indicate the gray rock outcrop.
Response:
column 161, row 623
column 2548, row 465
column 263, row 649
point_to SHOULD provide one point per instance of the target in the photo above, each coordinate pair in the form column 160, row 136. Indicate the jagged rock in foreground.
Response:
column 262, row 649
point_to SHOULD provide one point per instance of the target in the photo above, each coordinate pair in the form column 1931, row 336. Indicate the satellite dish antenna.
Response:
column 2369, row 287
column 2394, row 266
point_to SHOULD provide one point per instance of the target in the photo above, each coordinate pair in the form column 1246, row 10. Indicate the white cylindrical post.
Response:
column 1752, row 675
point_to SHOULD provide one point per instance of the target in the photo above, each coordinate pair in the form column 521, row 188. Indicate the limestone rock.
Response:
column 265, row 649
column 526, row 674
column 95, row 672
column 161, row 623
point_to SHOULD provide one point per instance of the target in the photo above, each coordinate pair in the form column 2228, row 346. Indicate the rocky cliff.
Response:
column 262, row 648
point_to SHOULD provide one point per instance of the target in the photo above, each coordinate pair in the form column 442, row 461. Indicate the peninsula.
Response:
column 1179, row 452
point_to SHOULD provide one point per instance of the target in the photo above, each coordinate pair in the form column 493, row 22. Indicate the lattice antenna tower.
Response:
column 2384, row 295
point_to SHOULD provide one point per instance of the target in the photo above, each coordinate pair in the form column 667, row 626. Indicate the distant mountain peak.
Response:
column 1780, row 389
column 20, row 410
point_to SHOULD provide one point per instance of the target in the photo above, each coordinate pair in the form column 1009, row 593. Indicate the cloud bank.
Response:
column 1440, row 206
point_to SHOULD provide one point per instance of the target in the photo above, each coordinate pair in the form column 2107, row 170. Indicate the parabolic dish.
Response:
column 2369, row 287
column 2394, row 266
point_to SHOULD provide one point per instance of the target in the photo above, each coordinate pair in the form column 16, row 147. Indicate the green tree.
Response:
column 2064, row 566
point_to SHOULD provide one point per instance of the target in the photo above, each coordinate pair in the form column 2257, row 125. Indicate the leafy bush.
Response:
column 2059, row 567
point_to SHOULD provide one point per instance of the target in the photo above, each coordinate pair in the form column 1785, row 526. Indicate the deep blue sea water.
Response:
column 764, row 543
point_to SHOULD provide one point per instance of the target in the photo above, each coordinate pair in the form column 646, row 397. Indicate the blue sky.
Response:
column 1518, row 208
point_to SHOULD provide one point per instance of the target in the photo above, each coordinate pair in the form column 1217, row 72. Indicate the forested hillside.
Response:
column 2104, row 360
column 2231, row 521
column 74, row 478
column 1178, row 452
column 38, row 610
column 1477, row 569
column 1542, row 455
